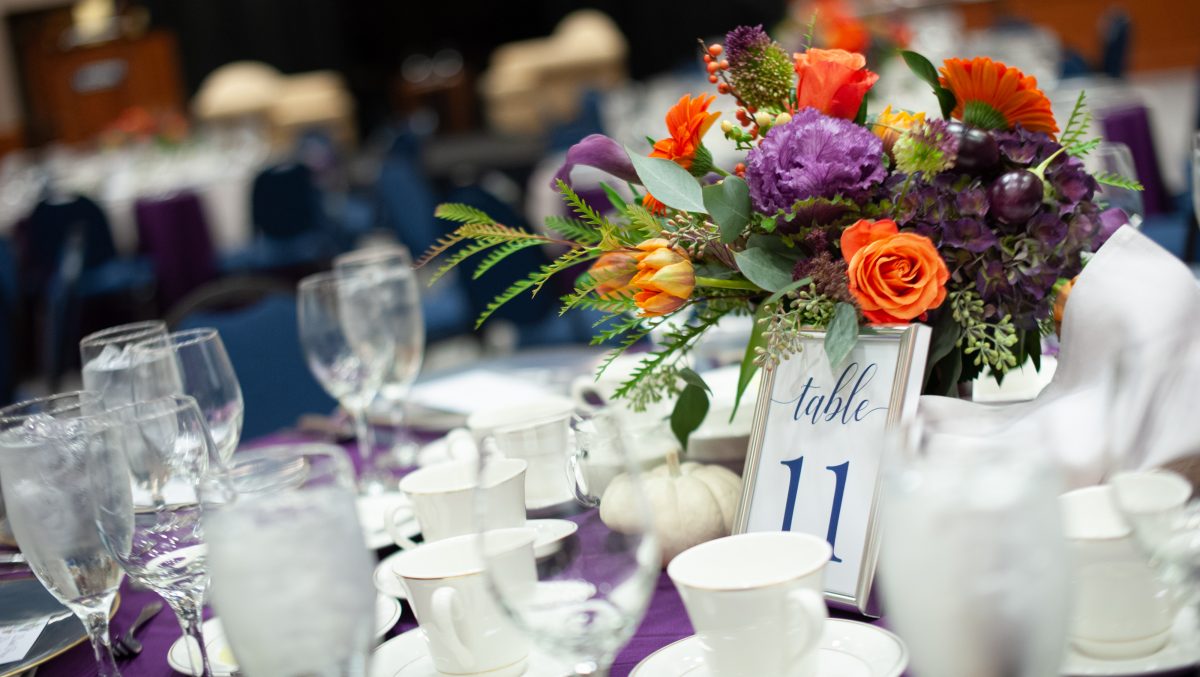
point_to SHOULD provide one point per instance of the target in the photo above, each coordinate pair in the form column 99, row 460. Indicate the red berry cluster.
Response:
column 715, row 66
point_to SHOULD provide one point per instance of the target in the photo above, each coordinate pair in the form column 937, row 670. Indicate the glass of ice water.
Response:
column 147, row 504
column 44, row 471
column 107, row 358
column 194, row 363
column 291, row 575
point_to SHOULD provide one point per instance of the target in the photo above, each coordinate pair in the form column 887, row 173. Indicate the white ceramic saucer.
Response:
column 408, row 656
column 848, row 649
column 372, row 515
column 220, row 657
column 1183, row 650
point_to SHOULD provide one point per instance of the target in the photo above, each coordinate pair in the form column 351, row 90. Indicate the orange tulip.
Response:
column 665, row 278
column 613, row 271
column 894, row 276
column 833, row 81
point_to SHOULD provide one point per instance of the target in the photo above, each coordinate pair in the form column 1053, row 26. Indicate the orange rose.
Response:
column 613, row 272
column 894, row 276
column 833, row 81
column 665, row 278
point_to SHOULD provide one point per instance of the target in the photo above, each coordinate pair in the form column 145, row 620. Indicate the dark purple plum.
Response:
column 1015, row 196
column 977, row 149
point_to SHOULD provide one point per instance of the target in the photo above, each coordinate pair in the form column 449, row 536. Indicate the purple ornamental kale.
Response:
column 813, row 155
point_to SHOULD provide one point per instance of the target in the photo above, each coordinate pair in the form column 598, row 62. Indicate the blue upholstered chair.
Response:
column 290, row 228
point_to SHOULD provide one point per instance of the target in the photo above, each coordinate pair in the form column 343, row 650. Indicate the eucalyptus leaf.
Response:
column 945, row 335
column 802, row 282
column 690, row 410
column 764, row 268
column 728, row 203
column 691, row 378
column 614, row 198
column 749, row 366
column 842, row 334
column 669, row 183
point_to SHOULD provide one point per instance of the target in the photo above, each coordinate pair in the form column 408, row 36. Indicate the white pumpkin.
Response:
column 691, row 504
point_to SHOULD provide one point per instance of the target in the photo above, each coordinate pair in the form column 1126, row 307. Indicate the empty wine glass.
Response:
column 147, row 505
column 1196, row 176
column 291, row 575
column 108, row 359
column 390, row 268
column 194, row 363
column 48, row 497
column 973, row 565
column 591, row 593
column 1116, row 158
column 348, row 345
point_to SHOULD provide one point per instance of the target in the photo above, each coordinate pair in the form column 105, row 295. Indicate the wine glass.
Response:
column 1196, row 176
column 148, row 510
column 973, row 566
column 291, row 575
column 194, row 363
column 48, row 497
column 1117, row 158
column 107, row 360
column 391, row 269
column 348, row 345
column 592, row 592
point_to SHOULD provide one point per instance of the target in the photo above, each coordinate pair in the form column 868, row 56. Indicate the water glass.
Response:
column 973, row 566
column 591, row 594
column 1196, row 176
column 148, row 508
column 1117, row 158
column 194, row 363
column 107, row 358
column 291, row 575
column 45, row 475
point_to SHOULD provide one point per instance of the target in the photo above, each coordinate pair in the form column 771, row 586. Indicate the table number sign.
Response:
column 815, row 450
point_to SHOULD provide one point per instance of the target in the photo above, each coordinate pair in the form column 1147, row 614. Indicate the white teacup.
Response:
column 1121, row 609
column 466, row 631
column 756, row 601
column 443, row 499
column 545, row 446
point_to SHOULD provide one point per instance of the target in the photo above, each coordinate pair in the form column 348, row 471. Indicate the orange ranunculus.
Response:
column 687, row 121
column 833, row 81
column 894, row 276
column 665, row 278
column 992, row 95
column 613, row 271
column 890, row 124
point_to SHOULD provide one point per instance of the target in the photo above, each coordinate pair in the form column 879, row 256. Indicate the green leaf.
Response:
column 669, row 183
column 749, row 363
column 461, row 213
column 1033, row 348
column 764, row 268
column 690, row 410
column 573, row 229
column 923, row 69
column 861, row 116
column 802, row 282
column 945, row 336
column 615, row 198
column 691, row 378
column 842, row 334
column 728, row 202
column 1117, row 181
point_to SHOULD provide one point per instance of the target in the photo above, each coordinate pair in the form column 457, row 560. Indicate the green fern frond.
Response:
column 460, row 213
column 676, row 342
column 1077, row 123
column 440, row 247
column 1117, row 181
column 582, row 208
column 562, row 263
column 534, row 282
column 1083, row 147
column 500, row 253
column 644, row 221
column 573, row 229
column 460, row 256
column 498, row 231
column 628, row 342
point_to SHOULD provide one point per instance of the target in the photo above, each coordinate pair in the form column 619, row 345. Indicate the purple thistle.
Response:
column 740, row 41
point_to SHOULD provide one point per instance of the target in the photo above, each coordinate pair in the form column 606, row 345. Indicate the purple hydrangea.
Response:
column 1023, row 147
column 972, row 235
column 813, row 155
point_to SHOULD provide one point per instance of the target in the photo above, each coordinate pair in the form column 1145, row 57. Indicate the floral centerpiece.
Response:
column 836, row 220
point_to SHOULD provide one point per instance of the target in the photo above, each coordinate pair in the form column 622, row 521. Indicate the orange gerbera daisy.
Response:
column 994, row 96
column 687, row 121
column 653, row 205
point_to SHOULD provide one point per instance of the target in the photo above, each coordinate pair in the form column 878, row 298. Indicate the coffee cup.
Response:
column 442, row 499
column 756, row 601
column 1121, row 610
column 466, row 631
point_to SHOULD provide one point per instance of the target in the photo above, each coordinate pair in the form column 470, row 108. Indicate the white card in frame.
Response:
column 814, row 457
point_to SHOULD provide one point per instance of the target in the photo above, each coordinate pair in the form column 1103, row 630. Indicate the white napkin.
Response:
column 1132, row 292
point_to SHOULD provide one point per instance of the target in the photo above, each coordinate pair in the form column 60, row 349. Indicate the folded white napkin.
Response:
column 1131, row 293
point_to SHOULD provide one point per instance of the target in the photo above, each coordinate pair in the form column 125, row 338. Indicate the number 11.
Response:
column 796, row 467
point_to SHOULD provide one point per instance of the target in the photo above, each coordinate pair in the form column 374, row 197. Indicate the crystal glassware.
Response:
column 147, row 503
column 973, row 566
column 194, row 363
column 1117, row 158
column 45, row 474
column 291, row 575
column 107, row 360
column 348, row 345
column 591, row 593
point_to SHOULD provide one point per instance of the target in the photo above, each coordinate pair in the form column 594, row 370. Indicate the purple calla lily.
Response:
column 601, row 152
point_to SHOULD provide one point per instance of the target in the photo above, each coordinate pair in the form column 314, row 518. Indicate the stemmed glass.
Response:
column 973, row 566
column 1117, row 158
column 194, row 363
column 349, row 346
column 146, row 495
column 390, row 268
column 45, row 474
column 291, row 574
column 592, row 592
column 107, row 360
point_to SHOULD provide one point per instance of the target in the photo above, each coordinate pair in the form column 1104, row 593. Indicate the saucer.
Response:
column 848, row 649
column 386, row 581
column 220, row 657
column 408, row 656
column 1181, row 651
column 372, row 515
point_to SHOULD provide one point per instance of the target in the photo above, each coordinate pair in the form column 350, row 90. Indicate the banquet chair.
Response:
column 174, row 233
column 8, row 321
column 289, row 223
column 256, row 318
